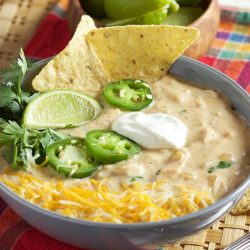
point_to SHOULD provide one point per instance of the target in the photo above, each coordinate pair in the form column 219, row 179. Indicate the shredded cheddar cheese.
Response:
column 94, row 200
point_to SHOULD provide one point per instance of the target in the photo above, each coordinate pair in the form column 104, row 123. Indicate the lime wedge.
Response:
column 173, row 7
column 124, row 9
column 60, row 109
column 154, row 17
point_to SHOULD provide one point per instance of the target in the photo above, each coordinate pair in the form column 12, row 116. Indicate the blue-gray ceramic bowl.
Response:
column 107, row 236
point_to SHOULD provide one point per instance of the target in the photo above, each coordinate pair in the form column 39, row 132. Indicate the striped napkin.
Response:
column 230, row 53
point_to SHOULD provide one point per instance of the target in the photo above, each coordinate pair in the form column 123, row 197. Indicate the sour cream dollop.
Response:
column 152, row 131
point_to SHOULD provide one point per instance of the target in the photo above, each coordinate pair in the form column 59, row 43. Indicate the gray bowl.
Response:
column 107, row 236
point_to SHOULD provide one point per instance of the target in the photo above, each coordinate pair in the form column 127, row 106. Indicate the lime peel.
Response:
column 121, row 9
column 156, row 16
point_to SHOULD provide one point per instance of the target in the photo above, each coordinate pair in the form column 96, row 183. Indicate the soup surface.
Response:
column 154, row 184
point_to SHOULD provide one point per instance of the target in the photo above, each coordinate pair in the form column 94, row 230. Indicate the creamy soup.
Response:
column 216, row 135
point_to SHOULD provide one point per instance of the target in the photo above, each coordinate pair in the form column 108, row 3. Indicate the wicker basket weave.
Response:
column 18, row 20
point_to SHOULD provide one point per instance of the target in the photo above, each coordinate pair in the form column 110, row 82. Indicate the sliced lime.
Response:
column 59, row 109
column 173, row 7
column 153, row 17
column 123, row 9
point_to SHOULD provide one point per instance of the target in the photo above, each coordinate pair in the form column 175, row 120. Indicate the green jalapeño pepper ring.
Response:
column 109, row 147
column 69, row 158
column 130, row 95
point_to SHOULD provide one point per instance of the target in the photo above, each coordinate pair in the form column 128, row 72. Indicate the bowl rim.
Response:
column 204, row 14
column 144, row 225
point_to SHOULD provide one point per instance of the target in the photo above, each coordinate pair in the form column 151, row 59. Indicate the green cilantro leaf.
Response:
column 224, row 164
column 158, row 172
column 24, row 148
column 220, row 165
column 11, row 74
column 12, row 98
column 14, row 107
column 22, row 62
column 135, row 178
column 6, row 96
column 70, row 126
column 183, row 111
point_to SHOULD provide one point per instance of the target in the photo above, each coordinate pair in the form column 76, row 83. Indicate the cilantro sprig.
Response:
column 13, row 98
column 24, row 148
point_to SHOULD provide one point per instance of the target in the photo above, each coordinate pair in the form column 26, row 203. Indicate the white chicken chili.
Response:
column 208, row 158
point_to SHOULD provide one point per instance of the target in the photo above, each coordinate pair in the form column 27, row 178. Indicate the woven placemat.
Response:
column 220, row 235
column 18, row 20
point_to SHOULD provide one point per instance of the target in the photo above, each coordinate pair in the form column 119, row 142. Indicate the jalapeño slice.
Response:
column 109, row 147
column 69, row 158
column 130, row 95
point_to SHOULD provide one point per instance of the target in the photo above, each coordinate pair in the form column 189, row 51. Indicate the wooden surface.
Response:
column 207, row 24
column 18, row 20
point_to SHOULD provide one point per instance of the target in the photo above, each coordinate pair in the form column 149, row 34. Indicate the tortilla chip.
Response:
column 244, row 204
column 140, row 51
column 75, row 67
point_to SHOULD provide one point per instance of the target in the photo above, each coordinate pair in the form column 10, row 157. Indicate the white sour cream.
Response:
column 152, row 131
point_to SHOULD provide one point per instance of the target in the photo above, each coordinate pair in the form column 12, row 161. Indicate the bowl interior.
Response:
column 200, row 74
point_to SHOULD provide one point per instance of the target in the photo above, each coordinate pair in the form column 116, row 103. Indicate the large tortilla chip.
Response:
column 75, row 67
column 140, row 52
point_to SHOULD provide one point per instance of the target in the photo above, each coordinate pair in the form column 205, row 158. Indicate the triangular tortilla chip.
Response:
column 140, row 52
column 75, row 67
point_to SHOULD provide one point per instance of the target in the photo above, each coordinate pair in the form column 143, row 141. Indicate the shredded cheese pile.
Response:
column 94, row 200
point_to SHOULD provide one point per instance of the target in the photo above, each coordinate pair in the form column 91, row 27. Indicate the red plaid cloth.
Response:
column 229, row 53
